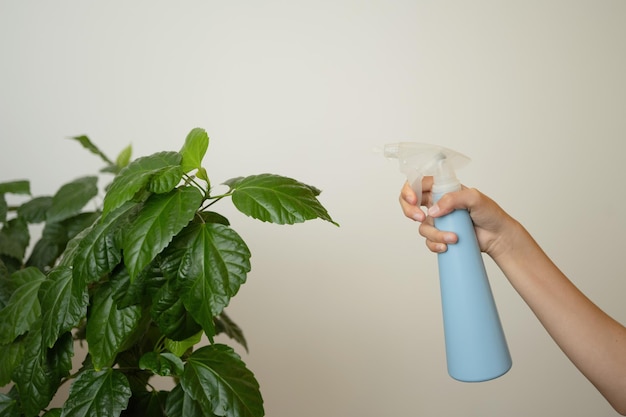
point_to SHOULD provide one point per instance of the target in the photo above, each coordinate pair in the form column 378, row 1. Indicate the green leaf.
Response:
column 202, row 174
column 15, row 187
column 144, row 403
column 87, row 144
column 97, row 394
column 59, row 357
column 7, row 285
column 161, row 218
column 100, row 249
column 123, row 158
column 49, row 247
column 136, row 176
column 14, row 238
column 194, row 149
column 276, row 199
column 23, row 308
column 10, row 357
column 164, row 364
column 64, row 301
column 166, row 180
column 108, row 327
column 180, row 404
column 34, row 211
column 179, row 348
column 53, row 412
column 68, row 255
column 169, row 313
column 33, row 379
column 4, row 209
column 12, row 264
column 224, row 324
column 214, row 265
column 219, row 381
column 145, row 286
column 76, row 224
column 8, row 406
column 71, row 198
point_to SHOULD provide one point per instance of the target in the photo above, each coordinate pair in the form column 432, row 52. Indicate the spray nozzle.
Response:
column 419, row 159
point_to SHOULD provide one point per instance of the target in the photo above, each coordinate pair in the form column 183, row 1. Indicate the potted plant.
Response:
column 138, row 282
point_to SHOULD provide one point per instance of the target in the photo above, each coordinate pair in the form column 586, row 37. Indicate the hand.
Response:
column 494, row 227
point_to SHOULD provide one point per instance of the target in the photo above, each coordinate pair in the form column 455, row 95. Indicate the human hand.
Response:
column 492, row 224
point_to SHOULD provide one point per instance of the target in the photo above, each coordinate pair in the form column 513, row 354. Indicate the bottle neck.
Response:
column 440, row 190
column 445, row 180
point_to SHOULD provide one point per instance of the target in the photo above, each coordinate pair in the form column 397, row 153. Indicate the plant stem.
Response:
column 218, row 198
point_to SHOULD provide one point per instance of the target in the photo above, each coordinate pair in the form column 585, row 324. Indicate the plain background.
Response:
column 346, row 321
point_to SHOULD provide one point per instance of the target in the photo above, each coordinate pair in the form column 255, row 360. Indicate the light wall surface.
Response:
column 347, row 321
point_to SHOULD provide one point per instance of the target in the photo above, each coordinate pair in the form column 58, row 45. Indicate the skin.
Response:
column 591, row 339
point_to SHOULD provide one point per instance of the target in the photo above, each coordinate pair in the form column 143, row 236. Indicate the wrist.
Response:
column 512, row 238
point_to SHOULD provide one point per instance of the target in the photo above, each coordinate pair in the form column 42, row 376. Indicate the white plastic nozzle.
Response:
column 419, row 159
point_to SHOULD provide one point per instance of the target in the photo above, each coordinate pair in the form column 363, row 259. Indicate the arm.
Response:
column 591, row 339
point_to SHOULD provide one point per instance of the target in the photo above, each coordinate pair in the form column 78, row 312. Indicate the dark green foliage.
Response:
column 138, row 282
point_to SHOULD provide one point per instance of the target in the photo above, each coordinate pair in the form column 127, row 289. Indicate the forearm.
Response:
column 592, row 340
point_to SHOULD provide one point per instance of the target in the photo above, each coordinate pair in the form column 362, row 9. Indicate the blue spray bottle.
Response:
column 476, row 349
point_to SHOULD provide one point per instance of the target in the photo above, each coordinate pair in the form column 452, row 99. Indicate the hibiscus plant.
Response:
column 138, row 280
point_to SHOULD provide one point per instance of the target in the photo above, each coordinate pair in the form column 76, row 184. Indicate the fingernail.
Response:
column 448, row 238
column 433, row 210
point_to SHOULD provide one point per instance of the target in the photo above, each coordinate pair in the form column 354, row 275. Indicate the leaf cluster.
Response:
column 138, row 280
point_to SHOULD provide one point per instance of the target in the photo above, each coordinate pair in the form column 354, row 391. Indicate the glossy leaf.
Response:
column 59, row 357
column 179, row 348
column 214, row 265
column 32, row 377
column 64, row 301
column 23, row 308
column 56, row 237
column 4, row 209
column 8, row 406
column 15, row 187
column 100, row 250
column 108, row 327
column 7, row 285
column 224, row 324
column 71, row 198
column 161, row 218
column 169, row 313
column 144, row 287
column 137, row 176
column 194, row 149
column 97, row 394
column 276, row 199
column 88, row 144
column 219, row 381
column 11, row 356
column 34, row 211
column 147, row 403
column 164, row 364
column 166, row 179
column 180, row 404
column 123, row 158
column 49, row 247
column 14, row 238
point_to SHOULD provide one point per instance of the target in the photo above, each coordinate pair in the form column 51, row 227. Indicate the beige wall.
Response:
column 346, row 321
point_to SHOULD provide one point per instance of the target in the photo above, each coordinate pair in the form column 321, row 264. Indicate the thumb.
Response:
column 448, row 203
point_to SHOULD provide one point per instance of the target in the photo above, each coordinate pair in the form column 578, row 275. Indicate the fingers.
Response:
column 436, row 240
column 409, row 200
column 408, row 203
column 464, row 199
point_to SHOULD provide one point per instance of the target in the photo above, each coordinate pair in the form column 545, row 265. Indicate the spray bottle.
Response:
column 476, row 349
